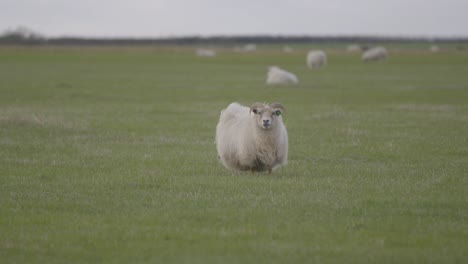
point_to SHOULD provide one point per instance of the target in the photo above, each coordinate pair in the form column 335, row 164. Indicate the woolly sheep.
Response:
column 434, row 48
column 250, row 48
column 205, row 53
column 252, row 139
column 316, row 59
column 246, row 48
column 374, row 54
column 279, row 76
column 353, row 48
column 287, row 49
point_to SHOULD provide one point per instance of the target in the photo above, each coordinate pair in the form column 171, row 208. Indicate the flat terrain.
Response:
column 107, row 155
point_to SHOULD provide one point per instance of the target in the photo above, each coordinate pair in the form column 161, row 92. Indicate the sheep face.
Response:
column 266, row 116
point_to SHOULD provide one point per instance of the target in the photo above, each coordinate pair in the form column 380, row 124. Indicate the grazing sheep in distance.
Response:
column 287, row 49
column 277, row 76
column 252, row 139
column 374, row 54
column 316, row 59
column 250, row 47
column 205, row 53
column 353, row 48
column 434, row 48
column 246, row 48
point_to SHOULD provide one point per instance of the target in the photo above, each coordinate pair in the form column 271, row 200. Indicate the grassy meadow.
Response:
column 107, row 155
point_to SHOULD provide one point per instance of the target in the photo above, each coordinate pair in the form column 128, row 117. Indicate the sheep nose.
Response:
column 266, row 122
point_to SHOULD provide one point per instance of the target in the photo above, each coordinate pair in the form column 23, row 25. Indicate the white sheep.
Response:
column 277, row 76
column 353, row 48
column 205, row 53
column 316, row 59
column 374, row 54
column 287, row 49
column 250, row 48
column 252, row 139
column 434, row 48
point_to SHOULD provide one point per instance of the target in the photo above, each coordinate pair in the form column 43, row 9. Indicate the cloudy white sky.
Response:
column 164, row 18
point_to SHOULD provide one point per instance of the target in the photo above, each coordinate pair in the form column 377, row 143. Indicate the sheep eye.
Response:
column 255, row 111
column 278, row 112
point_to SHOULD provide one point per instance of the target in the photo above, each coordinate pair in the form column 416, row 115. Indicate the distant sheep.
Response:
column 246, row 48
column 434, row 48
column 250, row 48
column 277, row 76
column 287, row 49
column 252, row 139
column 205, row 53
column 316, row 59
column 374, row 54
column 353, row 48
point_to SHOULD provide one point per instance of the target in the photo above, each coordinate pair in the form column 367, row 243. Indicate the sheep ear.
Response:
column 278, row 106
column 254, row 107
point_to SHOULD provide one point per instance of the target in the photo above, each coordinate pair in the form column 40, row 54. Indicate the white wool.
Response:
column 250, row 47
column 316, row 59
column 287, row 49
column 277, row 76
column 374, row 54
column 245, row 48
column 205, row 53
column 353, row 48
column 434, row 48
column 242, row 144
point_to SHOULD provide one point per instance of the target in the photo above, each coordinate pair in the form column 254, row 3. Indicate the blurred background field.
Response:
column 107, row 155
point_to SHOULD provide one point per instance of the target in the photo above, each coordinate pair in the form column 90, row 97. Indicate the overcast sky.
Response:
column 165, row 18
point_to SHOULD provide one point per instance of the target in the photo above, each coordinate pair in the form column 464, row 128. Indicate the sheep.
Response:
column 434, row 48
column 277, row 76
column 246, row 48
column 374, row 54
column 287, row 49
column 252, row 139
column 205, row 53
column 316, row 59
column 250, row 48
column 353, row 48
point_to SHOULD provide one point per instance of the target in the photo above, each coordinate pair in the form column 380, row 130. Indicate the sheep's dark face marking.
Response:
column 266, row 115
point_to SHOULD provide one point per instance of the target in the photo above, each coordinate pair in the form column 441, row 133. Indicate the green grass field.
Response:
column 107, row 155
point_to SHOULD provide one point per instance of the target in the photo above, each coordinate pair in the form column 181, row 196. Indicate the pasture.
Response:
column 107, row 155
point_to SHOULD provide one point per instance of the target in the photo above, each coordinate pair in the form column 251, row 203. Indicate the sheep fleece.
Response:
column 243, row 145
